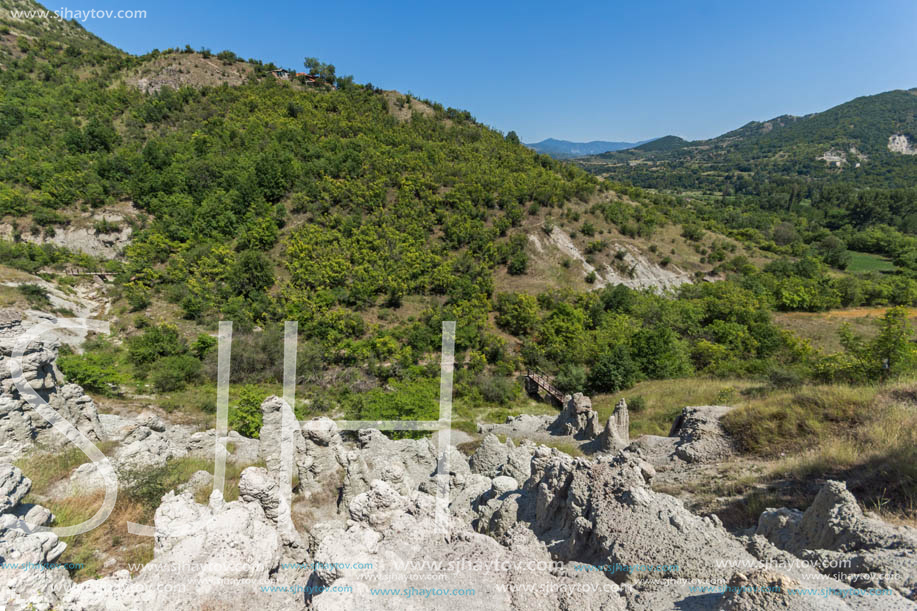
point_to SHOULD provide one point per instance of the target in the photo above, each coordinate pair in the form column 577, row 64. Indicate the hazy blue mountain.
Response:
column 564, row 149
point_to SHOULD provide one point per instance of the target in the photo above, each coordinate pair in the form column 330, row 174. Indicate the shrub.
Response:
column 412, row 400
column 692, row 232
column 497, row 389
column 202, row 345
column 147, row 485
column 785, row 377
column 94, row 371
column 137, row 295
column 174, row 372
column 36, row 296
column 571, row 378
column 518, row 264
column 636, row 403
column 245, row 415
column 155, row 342
column 106, row 226
column 227, row 57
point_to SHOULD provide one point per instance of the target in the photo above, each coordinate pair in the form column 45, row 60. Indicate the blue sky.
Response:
column 588, row 70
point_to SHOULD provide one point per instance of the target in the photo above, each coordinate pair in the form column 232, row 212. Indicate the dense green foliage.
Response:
column 335, row 204
column 95, row 371
column 771, row 185
column 245, row 415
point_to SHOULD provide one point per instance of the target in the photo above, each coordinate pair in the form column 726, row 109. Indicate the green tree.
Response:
column 614, row 370
column 252, row 273
column 571, row 378
column 660, row 353
column 517, row 313
column 892, row 352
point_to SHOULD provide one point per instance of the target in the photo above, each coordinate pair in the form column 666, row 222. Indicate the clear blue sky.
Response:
column 587, row 70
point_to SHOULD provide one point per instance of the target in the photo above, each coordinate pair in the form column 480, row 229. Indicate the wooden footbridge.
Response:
column 537, row 381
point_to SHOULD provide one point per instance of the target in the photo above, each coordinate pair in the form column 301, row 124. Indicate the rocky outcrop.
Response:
column 616, row 435
column 701, row 437
column 763, row 590
column 274, row 434
column 834, row 533
column 900, row 143
column 517, row 542
column 87, row 240
column 13, row 487
column 393, row 542
column 493, row 458
column 578, row 419
column 522, row 426
column 26, row 581
column 404, row 464
column 21, row 426
column 604, row 514
column 577, row 424
column 209, row 556
column 633, row 269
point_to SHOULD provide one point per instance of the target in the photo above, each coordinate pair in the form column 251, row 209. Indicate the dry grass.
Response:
column 107, row 541
column 864, row 436
column 664, row 400
column 785, row 421
column 821, row 328
column 572, row 449
column 45, row 468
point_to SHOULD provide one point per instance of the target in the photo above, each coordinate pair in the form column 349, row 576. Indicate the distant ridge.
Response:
column 565, row 149
column 868, row 141
column 666, row 143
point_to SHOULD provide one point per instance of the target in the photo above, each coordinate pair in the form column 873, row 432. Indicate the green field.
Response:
column 865, row 262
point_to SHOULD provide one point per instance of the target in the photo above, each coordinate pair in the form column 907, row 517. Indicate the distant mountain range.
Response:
column 564, row 149
column 868, row 141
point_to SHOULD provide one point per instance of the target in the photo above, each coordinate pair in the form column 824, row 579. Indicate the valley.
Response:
column 727, row 327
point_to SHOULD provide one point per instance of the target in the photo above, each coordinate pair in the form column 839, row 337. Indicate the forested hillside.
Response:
column 370, row 217
column 869, row 141
column 832, row 182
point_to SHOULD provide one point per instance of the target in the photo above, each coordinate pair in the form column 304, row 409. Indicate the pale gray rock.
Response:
column 763, row 590
column 13, row 487
column 197, row 481
column 524, row 425
column 257, row 485
column 274, row 436
column 374, row 553
column 833, row 533
column 322, row 467
column 404, row 463
column 21, row 545
column 144, row 448
column 21, row 427
column 578, row 420
column 701, row 436
column 616, row 435
column 493, row 458
column 205, row 556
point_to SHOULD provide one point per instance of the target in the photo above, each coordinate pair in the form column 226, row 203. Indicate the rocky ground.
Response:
column 515, row 525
